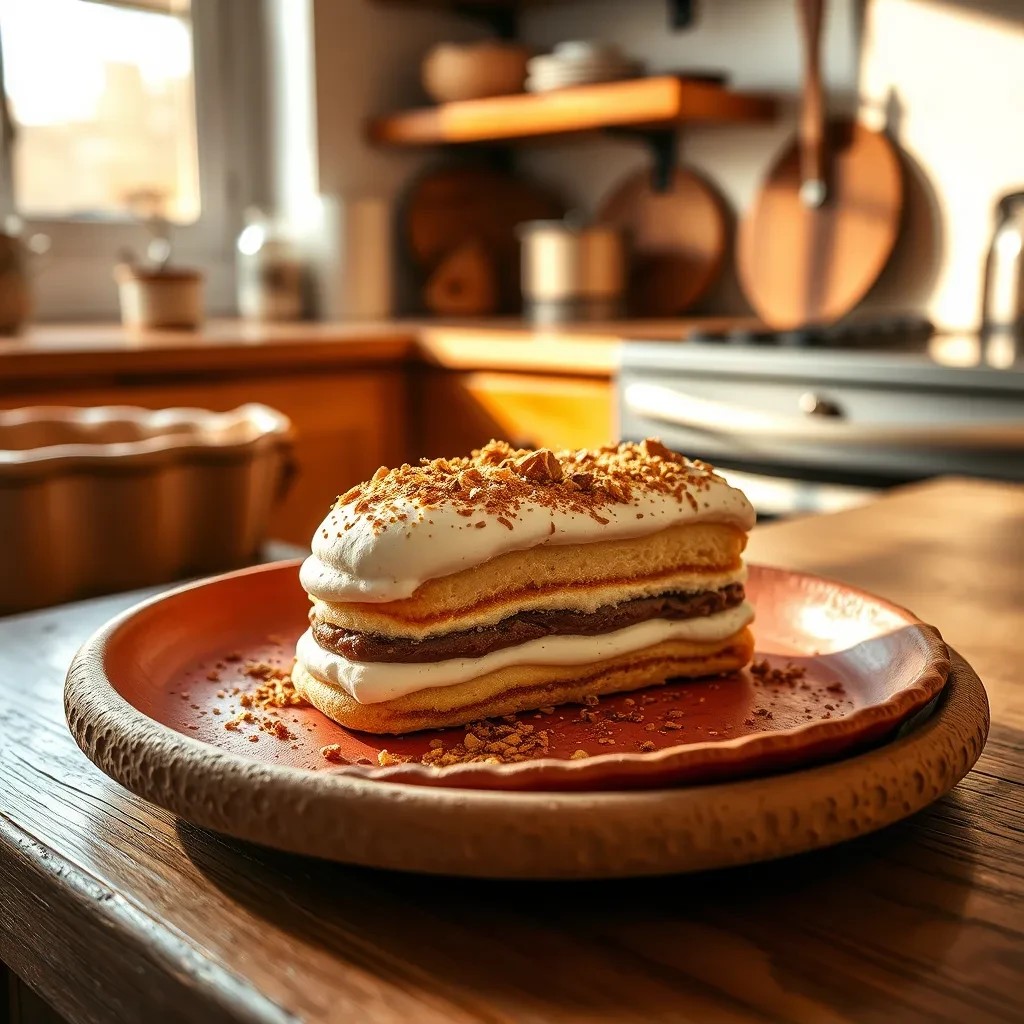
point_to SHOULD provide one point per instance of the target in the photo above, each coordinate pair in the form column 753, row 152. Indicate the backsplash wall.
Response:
column 334, row 63
column 956, row 71
column 953, row 70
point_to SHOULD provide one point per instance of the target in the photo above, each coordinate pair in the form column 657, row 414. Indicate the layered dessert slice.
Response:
column 511, row 580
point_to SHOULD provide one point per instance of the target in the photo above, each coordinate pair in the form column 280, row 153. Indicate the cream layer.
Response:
column 352, row 563
column 373, row 682
column 589, row 597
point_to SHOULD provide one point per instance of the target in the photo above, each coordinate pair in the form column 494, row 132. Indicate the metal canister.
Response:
column 1002, row 312
column 571, row 271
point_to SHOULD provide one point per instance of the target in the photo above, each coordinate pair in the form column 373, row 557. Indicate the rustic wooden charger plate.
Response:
column 140, row 706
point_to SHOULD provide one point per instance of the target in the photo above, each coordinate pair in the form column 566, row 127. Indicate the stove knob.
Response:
column 814, row 405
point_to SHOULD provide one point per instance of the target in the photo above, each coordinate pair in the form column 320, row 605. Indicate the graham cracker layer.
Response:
column 526, row 687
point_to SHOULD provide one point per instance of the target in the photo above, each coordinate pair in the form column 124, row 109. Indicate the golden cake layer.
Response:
column 580, row 577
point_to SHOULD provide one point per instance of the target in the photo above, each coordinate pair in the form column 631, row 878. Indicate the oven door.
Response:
column 797, row 450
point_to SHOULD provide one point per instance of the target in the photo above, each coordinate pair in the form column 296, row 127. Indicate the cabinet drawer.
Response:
column 461, row 411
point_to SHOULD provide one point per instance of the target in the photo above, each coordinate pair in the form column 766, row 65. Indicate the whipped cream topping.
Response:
column 354, row 559
column 373, row 682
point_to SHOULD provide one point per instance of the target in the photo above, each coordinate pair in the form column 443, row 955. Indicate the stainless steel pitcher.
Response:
column 1002, row 312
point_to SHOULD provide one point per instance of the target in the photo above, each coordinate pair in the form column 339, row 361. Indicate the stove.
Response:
column 819, row 421
column 885, row 333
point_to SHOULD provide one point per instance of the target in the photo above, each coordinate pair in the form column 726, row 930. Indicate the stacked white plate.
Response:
column 579, row 63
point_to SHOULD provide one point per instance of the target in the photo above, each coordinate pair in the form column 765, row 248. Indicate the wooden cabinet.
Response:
column 455, row 412
column 347, row 423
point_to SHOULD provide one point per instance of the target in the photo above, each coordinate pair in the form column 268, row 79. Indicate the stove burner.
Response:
column 903, row 332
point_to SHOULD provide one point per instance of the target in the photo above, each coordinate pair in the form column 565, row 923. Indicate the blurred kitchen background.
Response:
column 784, row 235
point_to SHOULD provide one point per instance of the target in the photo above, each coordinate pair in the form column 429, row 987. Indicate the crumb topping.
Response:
column 789, row 675
column 276, row 689
column 507, row 742
column 263, row 703
column 499, row 480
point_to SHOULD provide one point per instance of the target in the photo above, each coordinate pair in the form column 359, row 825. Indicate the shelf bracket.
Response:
column 499, row 18
column 663, row 145
column 681, row 13
column 493, row 155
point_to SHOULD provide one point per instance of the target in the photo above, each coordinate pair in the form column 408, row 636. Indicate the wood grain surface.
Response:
column 62, row 355
column 457, row 412
column 115, row 912
column 801, row 264
column 825, row 221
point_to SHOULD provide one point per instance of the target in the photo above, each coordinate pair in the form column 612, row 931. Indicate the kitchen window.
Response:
column 122, row 110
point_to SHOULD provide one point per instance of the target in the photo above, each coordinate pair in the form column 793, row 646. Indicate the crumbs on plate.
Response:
column 256, row 701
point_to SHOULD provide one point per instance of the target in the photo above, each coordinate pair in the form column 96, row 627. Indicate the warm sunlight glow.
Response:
column 104, row 108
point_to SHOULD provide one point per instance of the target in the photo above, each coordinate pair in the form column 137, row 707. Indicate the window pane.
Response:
column 102, row 97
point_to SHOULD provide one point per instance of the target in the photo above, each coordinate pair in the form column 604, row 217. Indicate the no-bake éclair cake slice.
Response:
column 511, row 580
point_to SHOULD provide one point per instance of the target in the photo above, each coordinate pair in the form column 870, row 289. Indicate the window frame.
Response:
column 74, row 280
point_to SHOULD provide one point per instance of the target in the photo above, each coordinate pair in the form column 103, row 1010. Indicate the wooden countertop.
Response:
column 49, row 353
column 117, row 912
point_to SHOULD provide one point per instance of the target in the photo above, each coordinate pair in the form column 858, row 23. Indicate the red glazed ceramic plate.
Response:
column 837, row 670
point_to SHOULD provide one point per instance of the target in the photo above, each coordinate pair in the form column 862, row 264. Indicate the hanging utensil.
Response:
column 826, row 219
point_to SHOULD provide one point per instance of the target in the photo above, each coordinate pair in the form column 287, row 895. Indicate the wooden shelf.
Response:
column 502, row 13
column 642, row 103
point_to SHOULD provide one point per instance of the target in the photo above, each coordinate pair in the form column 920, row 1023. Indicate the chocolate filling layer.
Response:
column 524, row 626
